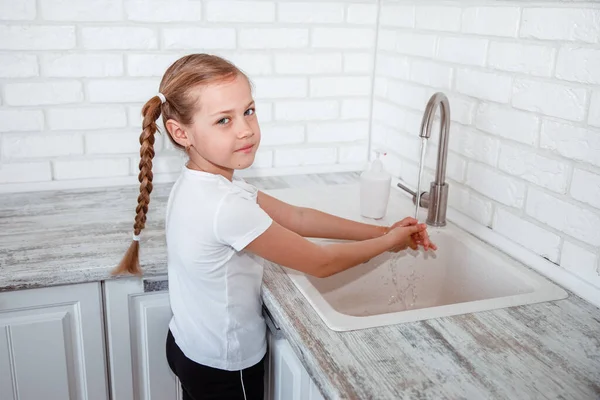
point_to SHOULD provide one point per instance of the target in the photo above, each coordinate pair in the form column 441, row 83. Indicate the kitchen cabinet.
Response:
column 287, row 379
column 137, row 321
column 52, row 343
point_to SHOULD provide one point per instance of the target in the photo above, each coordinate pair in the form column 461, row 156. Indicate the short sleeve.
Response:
column 239, row 220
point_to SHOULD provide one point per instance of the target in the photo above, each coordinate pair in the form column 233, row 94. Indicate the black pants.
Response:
column 200, row 382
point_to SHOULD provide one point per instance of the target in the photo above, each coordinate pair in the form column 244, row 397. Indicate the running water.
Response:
column 421, row 167
column 403, row 284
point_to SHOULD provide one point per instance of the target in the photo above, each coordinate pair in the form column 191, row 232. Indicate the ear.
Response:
column 178, row 133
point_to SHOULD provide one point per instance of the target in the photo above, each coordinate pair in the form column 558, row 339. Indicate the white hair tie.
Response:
column 161, row 97
column 136, row 237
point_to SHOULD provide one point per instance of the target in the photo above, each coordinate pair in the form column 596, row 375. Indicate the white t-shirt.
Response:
column 214, row 286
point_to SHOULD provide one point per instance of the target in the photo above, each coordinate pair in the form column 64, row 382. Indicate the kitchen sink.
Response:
column 464, row 275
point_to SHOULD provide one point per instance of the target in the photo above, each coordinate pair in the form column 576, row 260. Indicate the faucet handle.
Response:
column 424, row 195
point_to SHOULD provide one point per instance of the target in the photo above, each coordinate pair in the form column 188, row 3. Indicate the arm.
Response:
column 308, row 222
column 287, row 248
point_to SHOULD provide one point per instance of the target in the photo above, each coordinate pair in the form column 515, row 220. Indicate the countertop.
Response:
column 546, row 350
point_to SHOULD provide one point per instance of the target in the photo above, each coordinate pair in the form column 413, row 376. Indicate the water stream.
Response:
column 420, row 177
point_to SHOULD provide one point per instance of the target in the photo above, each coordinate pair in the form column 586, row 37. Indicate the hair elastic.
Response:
column 136, row 237
column 161, row 97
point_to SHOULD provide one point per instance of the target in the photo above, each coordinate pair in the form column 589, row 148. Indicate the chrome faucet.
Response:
column 436, row 200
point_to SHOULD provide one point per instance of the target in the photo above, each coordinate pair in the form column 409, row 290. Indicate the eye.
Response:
column 250, row 111
column 223, row 121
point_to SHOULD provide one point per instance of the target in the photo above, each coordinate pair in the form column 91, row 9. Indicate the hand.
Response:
column 401, row 237
column 419, row 238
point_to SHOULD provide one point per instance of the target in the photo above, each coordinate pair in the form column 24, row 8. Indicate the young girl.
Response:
column 217, row 339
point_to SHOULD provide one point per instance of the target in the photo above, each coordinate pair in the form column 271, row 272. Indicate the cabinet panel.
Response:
column 150, row 318
column 288, row 379
column 52, row 343
column 137, row 326
column 42, row 354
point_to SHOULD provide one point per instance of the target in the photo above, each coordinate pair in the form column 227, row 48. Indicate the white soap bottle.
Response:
column 375, row 185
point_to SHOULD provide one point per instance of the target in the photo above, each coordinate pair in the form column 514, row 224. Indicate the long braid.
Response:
column 182, row 76
column 151, row 111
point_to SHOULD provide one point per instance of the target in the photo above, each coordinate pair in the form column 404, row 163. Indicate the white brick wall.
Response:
column 21, row 120
column 552, row 99
column 522, row 78
column 578, row 222
column 18, row 66
column 585, row 187
column 523, row 81
column 582, row 262
column 502, row 188
column 493, row 21
column 240, row 11
column 439, row 18
column 569, row 24
column 80, row 65
column 462, row 50
column 74, row 77
column 71, row 10
column 119, row 38
column 532, row 59
column 508, row 123
column 484, row 85
column 530, row 235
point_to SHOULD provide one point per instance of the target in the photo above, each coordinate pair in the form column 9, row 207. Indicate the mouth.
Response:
column 245, row 149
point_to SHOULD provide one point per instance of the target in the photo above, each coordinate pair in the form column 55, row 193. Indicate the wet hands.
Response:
column 411, row 234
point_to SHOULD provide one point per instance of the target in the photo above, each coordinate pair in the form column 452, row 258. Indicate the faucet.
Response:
column 436, row 200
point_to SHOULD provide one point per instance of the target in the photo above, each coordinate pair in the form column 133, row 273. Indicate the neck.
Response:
column 198, row 163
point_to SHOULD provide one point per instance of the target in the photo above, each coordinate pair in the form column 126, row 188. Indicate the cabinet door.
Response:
column 286, row 371
column 150, row 315
column 137, row 325
column 288, row 379
column 52, row 344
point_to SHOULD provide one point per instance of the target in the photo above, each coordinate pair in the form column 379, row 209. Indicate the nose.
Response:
column 245, row 130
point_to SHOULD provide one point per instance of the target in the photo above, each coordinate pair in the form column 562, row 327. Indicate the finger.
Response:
column 417, row 238
column 415, row 228
column 408, row 221
column 425, row 240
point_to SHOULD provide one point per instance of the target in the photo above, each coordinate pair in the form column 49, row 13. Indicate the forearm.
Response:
column 317, row 224
column 343, row 256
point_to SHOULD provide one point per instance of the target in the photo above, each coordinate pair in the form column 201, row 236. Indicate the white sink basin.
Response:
column 465, row 274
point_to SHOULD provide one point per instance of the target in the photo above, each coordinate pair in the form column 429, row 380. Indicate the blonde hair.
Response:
column 180, row 78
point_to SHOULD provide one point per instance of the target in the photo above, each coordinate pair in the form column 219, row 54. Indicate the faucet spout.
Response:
column 436, row 200
column 426, row 124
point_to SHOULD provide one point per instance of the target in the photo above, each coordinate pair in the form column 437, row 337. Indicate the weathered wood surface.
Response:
column 541, row 351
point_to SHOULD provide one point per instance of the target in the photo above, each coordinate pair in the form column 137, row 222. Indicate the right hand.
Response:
column 418, row 239
column 401, row 237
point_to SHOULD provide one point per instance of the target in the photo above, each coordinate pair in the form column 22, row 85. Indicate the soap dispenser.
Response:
column 375, row 185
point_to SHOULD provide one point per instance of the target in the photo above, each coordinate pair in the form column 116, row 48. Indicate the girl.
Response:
column 216, row 342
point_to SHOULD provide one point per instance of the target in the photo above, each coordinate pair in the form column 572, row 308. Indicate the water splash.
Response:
column 407, row 284
column 420, row 177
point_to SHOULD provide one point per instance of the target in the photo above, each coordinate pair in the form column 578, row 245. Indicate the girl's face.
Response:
column 224, row 132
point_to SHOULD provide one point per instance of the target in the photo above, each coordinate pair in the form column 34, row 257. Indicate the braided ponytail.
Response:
column 151, row 111
column 182, row 76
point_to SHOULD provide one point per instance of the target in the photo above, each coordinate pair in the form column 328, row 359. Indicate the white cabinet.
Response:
column 137, row 323
column 287, row 377
column 52, row 344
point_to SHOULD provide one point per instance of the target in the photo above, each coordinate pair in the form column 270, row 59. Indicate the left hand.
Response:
column 417, row 239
